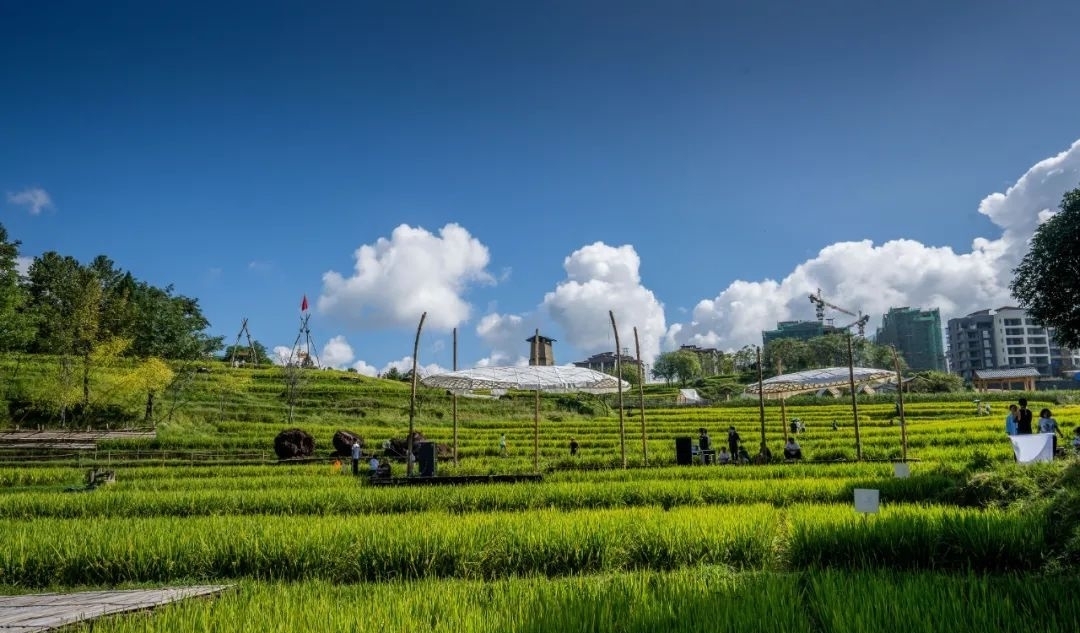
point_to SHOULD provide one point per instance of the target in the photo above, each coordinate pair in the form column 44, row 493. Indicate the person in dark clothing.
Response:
column 733, row 440
column 573, row 447
column 1023, row 418
column 704, row 441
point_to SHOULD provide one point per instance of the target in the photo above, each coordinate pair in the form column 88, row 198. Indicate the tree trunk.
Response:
column 149, row 417
column 86, row 382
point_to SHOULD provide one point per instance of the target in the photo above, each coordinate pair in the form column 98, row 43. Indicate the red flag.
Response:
column 303, row 304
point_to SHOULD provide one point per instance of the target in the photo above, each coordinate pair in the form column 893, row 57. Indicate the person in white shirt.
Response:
column 373, row 465
column 356, row 457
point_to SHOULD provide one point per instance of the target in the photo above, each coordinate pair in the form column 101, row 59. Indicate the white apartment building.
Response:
column 1020, row 342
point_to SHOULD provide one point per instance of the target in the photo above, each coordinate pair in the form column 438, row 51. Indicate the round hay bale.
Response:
column 343, row 441
column 294, row 443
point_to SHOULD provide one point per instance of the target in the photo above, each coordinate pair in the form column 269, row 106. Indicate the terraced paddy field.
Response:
column 968, row 542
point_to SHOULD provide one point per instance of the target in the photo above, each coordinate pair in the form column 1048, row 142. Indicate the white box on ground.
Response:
column 866, row 500
column 901, row 470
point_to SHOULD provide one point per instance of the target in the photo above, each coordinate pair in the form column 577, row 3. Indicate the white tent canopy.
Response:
column 551, row 378
column 813, row 380
column 688, row 396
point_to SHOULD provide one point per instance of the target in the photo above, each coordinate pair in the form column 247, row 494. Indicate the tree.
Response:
column 664, row 367
column 391, row 374
column 629, row 373
column 16, row 327
column 793, row 353
column 1047, row 281
column 168, row 325
column 687, row 366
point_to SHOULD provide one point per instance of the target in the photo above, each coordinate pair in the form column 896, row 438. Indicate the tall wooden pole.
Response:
column 900, row 404
column 536, row 404
column 454, row 401
column 618, row 378
column 761, row 397
column 412, row 398
column 641, row 399
column 783, row 409
column 854, row 402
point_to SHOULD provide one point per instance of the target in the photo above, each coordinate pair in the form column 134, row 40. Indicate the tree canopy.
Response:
column 64, row 307
column 1047, row 281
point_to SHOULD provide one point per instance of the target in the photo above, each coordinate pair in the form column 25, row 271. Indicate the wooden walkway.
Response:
column 33, row 613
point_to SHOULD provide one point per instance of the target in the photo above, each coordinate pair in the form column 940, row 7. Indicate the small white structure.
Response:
column 689, row 396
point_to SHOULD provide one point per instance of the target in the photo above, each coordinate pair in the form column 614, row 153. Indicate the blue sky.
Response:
column 551, row 161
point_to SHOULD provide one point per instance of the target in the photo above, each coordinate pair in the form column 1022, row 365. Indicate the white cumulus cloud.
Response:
column 35, row 199
column 337, row 353
column 364, row 369
column 600, row 278
column 874, row 277
column 405, row 365
column 22, row 265
column 504, row 335
column 414, row 271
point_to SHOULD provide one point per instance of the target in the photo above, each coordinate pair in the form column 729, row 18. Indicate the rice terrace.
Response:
column 969, row 541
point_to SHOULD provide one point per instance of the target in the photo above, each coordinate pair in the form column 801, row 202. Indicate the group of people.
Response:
column 736, row 453
column 376, row 467
column 1020, row 421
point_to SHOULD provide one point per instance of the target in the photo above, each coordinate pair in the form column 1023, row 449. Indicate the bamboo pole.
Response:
column 454, row 401
column 641, row 399
column 783, row 408
column 900, row 402
column 536, row 405
column 761, row 396
column 618, row 378
column 412, row 398
column 854, row 402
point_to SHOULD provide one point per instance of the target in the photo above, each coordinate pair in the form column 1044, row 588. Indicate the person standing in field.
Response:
column 733, row 440
column 1010, row 420
column 502, row 445
column 1047, row 424
column 573, row 447
column 356, row 457
column 1023, row 420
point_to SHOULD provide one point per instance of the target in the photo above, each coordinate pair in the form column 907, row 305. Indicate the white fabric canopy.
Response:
column 689, row 395
column 1029, row 449
column 813, row 380
column 552, row 378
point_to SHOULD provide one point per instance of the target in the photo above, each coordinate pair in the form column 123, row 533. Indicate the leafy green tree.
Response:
column 53, row 285
column 827, row 351
column 167, row 325
column 793, row 353
column 16, row 326
column 392, row 374
column 1047, row 281
column 745, row 359
column 664, row 367
column 630, row 373
column 687, row 366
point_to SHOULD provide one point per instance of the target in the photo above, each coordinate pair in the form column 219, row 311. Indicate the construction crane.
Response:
column 819, row 310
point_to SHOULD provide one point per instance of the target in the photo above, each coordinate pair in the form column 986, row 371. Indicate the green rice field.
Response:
column 968, row 542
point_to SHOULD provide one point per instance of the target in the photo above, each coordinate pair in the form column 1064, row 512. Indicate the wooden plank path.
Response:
column 74, row 436
column 33, row 613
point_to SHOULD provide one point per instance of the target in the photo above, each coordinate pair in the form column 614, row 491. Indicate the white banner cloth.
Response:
column 1029, row 449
